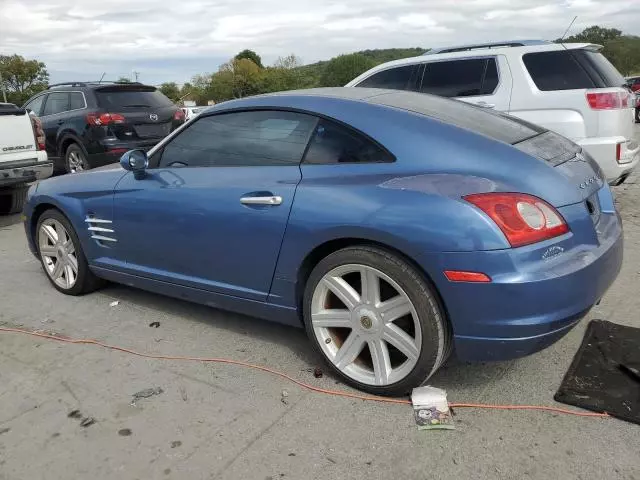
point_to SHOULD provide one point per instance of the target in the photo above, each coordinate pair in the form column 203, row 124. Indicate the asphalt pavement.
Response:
column 71, row 411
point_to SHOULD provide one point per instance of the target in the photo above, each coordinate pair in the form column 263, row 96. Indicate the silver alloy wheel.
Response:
column 76, row 162
column 58, row 253
column 366, row 325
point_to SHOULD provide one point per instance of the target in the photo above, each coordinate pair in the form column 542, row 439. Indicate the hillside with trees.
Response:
column 245, row 73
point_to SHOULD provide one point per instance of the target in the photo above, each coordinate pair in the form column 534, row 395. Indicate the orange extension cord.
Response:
column 86, row 341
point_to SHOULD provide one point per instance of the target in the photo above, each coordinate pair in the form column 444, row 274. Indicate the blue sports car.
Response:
column 393, row 226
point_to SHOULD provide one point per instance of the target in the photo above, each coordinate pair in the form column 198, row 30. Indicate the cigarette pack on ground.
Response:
column 431, row 409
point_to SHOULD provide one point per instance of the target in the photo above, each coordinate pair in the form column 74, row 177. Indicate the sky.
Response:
column 170, row 40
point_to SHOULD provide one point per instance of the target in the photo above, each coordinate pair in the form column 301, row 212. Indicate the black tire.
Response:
column 75, row 159
column 86, row 281
column 12, row 199
column 637, row 115
column 436, row 333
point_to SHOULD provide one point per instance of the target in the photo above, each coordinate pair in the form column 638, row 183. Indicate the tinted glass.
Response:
column 77, row 101
column 491, row 124
column 35, row 105
column 241, row 139
column 557, row 70
column 57, row 102
column 394, row 78
column 115, row 98
column 334, row 143
column 605, row 70
column 460, row 78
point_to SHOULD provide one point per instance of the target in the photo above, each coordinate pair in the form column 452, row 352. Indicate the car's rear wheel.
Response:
column 75, row 159
column 62, row 257
column 376, row 320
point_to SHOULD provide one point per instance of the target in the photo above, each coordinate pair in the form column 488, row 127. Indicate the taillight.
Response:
column 104, row 118
column 618, row 152
column 179, row 115
column 608, row 100
column 524, row 219
column 38, row 132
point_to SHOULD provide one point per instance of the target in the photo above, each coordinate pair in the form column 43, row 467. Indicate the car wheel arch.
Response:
column 327, row 248
column 38, row 211
column 66, row 140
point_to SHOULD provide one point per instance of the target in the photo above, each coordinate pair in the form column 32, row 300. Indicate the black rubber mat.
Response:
column 603, row 374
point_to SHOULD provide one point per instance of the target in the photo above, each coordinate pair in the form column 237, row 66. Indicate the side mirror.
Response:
column 135, row 161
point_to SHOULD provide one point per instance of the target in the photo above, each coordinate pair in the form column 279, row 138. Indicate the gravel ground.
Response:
column 210, row 421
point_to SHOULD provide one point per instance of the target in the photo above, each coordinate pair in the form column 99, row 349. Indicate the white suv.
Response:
column 570, row 88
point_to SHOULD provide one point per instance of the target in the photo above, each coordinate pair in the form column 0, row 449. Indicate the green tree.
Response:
column 171, row 90
column 285, row 74
column 249, row 55
column 236, row 79
column 342, row 69
column 624, row 53
column 594, row 34
column 22, row 78
column 123, row 80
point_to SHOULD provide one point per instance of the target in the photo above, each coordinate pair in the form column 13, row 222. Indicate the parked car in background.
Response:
column 22, row 156
column 634, row 83
column 570, row 88
column 391, row 225
column 92, row 124
column 191, row 112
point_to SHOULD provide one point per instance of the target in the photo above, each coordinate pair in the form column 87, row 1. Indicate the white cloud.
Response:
column 173, row 40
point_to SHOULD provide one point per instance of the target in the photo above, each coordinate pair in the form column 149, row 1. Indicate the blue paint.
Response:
column 183, row 231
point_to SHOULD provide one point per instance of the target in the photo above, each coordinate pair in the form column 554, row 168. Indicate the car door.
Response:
column 482, row 81
column 56, row 104
column 213, row 207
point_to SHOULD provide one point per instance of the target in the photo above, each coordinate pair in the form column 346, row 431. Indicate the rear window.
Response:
column 491, row 124
column 571, row 70
column 129, row 98
column 557, row 70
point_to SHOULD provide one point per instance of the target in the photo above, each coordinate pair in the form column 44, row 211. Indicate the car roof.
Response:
column 374, row 103
column 501, row 49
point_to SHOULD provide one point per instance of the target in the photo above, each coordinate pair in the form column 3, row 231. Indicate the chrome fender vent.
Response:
column 100, row 230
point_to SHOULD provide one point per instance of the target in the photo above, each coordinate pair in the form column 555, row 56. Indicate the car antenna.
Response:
column 103, row 74
column 568, row 28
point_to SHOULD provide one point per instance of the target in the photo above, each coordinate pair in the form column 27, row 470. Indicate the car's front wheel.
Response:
column 75, row 159
column 61, row 255
column 376, row 320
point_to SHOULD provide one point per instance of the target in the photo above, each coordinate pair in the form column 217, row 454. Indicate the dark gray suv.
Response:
column 88, row 125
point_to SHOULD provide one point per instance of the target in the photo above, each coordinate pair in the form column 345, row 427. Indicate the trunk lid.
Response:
column 576, row 165
column 17, row 141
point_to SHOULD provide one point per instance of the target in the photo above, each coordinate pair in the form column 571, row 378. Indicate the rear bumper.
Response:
column 537, row 294
column 603, row 151
column 16, row 173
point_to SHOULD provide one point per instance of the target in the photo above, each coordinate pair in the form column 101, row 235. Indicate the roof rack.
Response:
column 86, row 84
column 67, row 84
column 507, row 43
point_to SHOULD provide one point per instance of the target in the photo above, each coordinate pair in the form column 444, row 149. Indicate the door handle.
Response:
column 272, row 200
column 486, row 105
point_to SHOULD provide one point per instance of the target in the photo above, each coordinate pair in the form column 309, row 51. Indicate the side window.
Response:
column 556, row 70
column 399, row 78
column 57, row 102
column 77, row 101
column 460, row 78
column 334, row 143
column 255, row 138
column 35, row 105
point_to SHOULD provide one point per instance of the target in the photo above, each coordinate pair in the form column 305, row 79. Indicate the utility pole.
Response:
column 136, row 74
column 4, row 93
